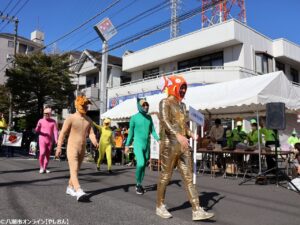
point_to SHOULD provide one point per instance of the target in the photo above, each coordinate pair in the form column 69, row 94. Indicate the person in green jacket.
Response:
column 253, row 134
column 253, row 140
column 293, row 139
column 140, row 128
column 271, row 138
column 238, row 135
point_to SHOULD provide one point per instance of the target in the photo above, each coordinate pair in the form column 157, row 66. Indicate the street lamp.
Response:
column 106, row 30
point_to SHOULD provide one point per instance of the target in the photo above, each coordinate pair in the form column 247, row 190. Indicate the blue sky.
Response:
column 273, row 18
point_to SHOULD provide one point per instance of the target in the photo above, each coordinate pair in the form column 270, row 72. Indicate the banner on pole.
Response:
column 12, row 138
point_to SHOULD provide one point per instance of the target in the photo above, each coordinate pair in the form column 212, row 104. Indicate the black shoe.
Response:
column 110, row 172
column 139, row 190
column 98, row 168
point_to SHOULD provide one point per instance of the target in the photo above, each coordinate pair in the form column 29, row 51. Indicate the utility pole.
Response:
column 103, row 79
column 12, row 19
column 106, row 30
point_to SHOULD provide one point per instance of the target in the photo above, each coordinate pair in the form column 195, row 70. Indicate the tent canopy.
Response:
column 227, row 99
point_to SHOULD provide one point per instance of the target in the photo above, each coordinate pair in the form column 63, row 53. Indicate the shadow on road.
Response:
column 153, row 187
column 205, row 198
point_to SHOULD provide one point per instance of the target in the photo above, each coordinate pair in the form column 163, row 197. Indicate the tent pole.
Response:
column 259, row 146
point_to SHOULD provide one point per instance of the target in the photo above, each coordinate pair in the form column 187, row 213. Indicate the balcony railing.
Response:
column 195, row 68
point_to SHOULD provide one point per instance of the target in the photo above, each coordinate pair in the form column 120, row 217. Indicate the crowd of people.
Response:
column 173, row 138
column 238, row 138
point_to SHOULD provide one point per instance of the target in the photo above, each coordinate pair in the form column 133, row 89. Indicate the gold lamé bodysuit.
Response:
column 173, row 120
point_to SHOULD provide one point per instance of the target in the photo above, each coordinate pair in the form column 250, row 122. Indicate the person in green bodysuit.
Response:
column 140, row 128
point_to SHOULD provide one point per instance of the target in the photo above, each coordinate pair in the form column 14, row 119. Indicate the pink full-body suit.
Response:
column 47, row 130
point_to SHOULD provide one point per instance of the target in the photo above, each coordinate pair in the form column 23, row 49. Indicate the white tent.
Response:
column 227, row 99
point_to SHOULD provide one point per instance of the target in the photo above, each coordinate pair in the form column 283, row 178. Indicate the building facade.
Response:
column 87, row 72
column 222, row 52
column 24, row 46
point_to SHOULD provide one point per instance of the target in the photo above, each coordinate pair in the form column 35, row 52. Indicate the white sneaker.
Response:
column 70, row 191
column 41, row 170
column 200, row 214
column 48, row 171
column 80, row 194
column 163, row 212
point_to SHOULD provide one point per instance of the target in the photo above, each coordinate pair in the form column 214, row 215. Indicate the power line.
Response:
column 83, row 24
column 8, row 4
column 112, row 15
column 17, row 3
column 161, row 26
column 154, row 29
column 134, row 19
column 15, row 13
column 21, row 7
column 157, row 28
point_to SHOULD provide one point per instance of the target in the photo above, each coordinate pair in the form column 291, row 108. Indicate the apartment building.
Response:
column 222, row 52
column 24, row 46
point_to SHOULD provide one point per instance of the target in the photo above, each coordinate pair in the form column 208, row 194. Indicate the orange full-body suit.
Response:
column 78, row 126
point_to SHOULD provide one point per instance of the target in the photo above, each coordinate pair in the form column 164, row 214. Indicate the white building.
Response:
column 88, row 70
column 24, row 46
column 223, row 52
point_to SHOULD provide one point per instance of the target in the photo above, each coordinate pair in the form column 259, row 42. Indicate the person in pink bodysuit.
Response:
column 47, row 130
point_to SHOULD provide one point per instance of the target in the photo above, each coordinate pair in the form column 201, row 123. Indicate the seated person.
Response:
column 293, row 139
column 216, row 132
column 271, row 138
column 216, row 137
column 238, row 135
column 252, row 138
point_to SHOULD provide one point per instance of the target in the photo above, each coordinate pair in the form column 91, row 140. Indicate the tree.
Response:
column 4, row 100
column 37, row 80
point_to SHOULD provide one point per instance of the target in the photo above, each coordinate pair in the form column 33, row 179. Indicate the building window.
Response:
column 280, row 66
column 22, row 48
column 264, row 63
column 125, row 79
column 295, row 75
column 211, row 61
column 151, row 73
column 11, row 44
column 30, row 49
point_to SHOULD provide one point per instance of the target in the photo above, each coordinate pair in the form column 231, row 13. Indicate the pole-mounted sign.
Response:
column 105, row 29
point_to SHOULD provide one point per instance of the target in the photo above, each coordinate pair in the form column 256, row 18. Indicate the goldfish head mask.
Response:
column 175, row 85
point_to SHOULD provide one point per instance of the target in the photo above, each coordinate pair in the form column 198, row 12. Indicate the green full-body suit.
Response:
column 140, row 128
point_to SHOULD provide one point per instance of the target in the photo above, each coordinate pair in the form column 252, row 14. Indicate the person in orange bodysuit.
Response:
column 78, row 126
column 174, row 147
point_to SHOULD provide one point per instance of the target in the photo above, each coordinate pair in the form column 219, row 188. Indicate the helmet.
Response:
column 172, row 84
column 239, row 123
column 253, row 121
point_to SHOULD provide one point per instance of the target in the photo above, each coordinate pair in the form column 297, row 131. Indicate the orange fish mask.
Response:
column 175, row 85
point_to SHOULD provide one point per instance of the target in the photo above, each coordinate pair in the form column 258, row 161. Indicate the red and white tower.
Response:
column 217, row 11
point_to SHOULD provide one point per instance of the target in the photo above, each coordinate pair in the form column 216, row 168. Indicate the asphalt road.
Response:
column 25, row 194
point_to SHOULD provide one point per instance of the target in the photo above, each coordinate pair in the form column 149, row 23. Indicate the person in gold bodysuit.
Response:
column 175, row 149
column 78, row 126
